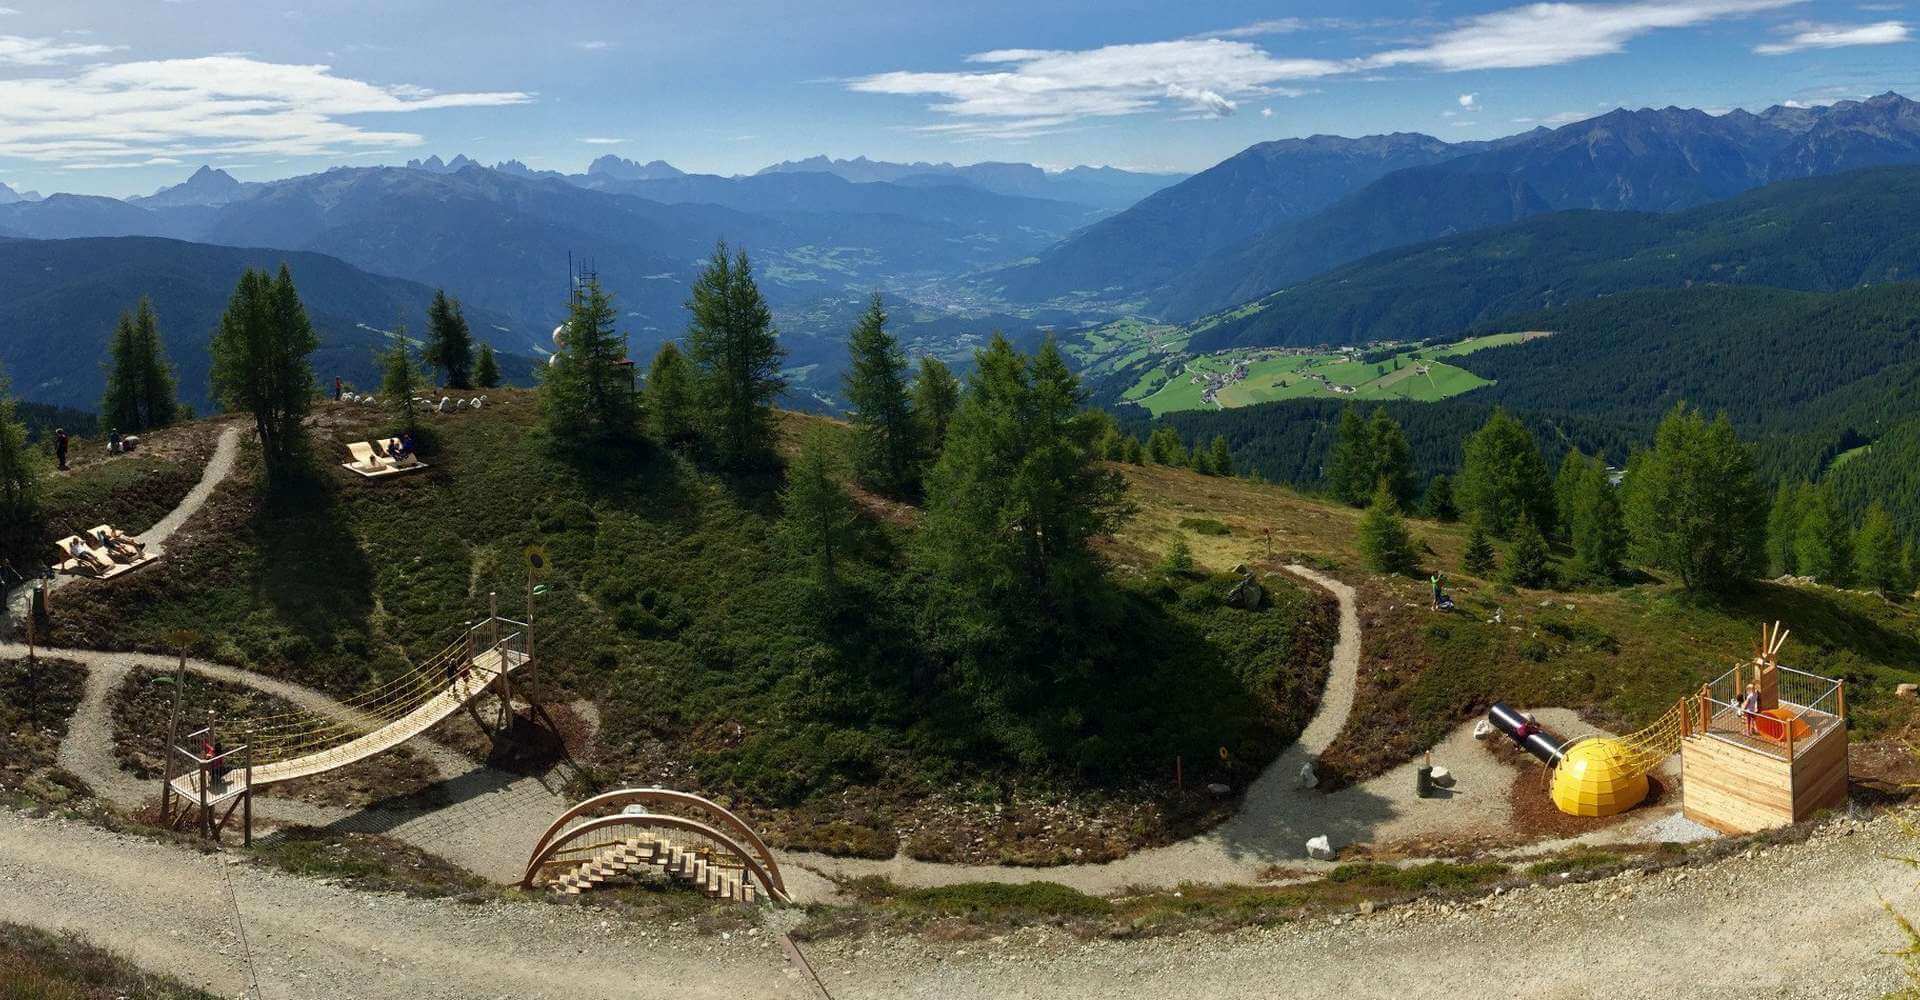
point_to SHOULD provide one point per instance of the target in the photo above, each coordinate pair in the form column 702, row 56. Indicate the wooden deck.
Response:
column 484, row 672
column 1737, row 783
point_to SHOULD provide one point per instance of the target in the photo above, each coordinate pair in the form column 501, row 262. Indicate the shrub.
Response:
column 1204, row 526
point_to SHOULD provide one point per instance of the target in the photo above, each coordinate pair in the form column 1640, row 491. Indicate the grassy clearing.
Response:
column 366, row 862
column 1415, row 373
column 37, row 965
column 36, row 701
column 716, row 664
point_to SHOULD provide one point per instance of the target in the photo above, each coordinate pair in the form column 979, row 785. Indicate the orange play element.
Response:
column 1776, row 723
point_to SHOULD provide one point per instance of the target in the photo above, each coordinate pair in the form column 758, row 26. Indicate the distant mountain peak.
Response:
column 206, row 186
column 622, row 169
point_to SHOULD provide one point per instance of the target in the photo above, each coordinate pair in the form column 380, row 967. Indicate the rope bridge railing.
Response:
column 1648, row 747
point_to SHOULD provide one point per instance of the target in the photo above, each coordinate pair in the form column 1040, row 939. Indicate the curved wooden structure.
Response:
column 599, row 847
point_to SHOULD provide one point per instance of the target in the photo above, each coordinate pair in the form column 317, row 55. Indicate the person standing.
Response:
column 336, row 388
column 1436, row 590
column 60, row 446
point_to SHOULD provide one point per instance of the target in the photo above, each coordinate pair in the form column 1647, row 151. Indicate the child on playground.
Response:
column 1750, row 706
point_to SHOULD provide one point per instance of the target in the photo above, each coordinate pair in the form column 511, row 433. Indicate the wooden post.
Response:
column 1179, row 780
column 173, row 739
column 31, row 592
column 246, row 801
column 1787, row 724
column 1706, row 708
column 1840, row 700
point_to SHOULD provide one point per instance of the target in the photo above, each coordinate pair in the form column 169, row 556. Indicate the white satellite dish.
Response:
column 552, row 359
column 560, row 336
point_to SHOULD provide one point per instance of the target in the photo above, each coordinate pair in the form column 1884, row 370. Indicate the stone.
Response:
column 1442, row 777
column 1482, row 729
column 1907, row 691
column 1246, row 595
column 1320, row 849
column 1219, row 789
column 1307, row 778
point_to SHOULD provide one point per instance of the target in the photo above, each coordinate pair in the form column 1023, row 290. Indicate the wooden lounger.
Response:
column 87, row 559
column 371, row 459
column 116, row 543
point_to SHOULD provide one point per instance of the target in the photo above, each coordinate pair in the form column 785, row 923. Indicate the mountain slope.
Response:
column 1819, row 234
column 1247, row 194
column 59, row 300
column 1100, row 187
column 207, row 186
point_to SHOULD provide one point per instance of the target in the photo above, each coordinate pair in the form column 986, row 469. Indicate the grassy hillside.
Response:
column 1822, row 234
column 1228, row 379
column 715, row 662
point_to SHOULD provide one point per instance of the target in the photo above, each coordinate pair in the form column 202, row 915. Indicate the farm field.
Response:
column 1412, row 374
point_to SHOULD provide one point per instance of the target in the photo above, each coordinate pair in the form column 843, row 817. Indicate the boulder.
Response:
column 1246, row 595
column 1482, row 729
column 1907, row 691
column 1307, row 778
column 1220, row 789
column 1320, row 849
column 1442, row 777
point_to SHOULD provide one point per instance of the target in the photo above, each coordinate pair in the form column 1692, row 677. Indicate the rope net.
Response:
column 1647, row 748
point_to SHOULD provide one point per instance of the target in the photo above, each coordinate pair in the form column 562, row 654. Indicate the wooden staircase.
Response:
column 636, row 855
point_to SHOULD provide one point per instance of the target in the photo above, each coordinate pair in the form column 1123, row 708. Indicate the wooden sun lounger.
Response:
column 372, row 461
column 87, row 559
column 116, row 543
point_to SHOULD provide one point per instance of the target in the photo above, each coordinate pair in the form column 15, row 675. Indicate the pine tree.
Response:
column 936, row 394
column 1783, row 528
column 586, row 392
column 1692, row 505
column 1598, row 525
column 1877, row 554
column 21, row 471
column 1527, row 561
column 449, row 341
column 260, row 354
column 1384, row 541
column 1823, row 546
column 737, row 355
column 1479, row 558
column 1392, row 456
column 1164, row 447
column 140, row 384
column 816, row 514
column 1200, row 460
column 1910, row 567
column 886, row 445
column 120, row 407
column 670, row 399
column 1351, row 472
column 1504, row 479
column 1179, row 559
column 1567, row 486
column 400, row 379
column 486, row 371
column 1136, row 453
column 1221, row 456
column 1438, row 503
column 157, row 388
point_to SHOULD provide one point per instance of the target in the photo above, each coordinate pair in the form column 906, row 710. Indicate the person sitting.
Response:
column 119, row 543
column 406, row 444
column 83, row 557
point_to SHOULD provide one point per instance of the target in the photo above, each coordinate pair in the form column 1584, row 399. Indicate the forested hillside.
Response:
column 1822, row 234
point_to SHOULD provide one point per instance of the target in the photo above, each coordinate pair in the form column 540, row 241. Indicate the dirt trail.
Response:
column 225, row 451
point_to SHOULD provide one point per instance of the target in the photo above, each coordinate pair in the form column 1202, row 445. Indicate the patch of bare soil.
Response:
column 1535, row 817
column 142, row 706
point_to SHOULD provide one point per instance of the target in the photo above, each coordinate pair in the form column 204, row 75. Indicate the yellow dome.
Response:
column 1597, row 778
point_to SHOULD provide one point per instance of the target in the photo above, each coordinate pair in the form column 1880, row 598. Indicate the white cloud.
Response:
column 17, row 50
column 209, row 107
column 4, row 11
column 1034, row 91
column 1555, row 120
column 601, row 140
column 1803, row 35
column 593, row 45
column 1468, row 100
column 1547, row 34
column 1266, row 112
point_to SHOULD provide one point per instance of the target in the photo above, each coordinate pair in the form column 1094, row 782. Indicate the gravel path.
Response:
column 1785, row 923
column 168, row 910
column 225, row 451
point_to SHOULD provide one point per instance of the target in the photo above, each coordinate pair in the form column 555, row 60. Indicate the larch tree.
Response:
column 261, row 363
column 1528, row 564
column 1165, row 448
column 1783, row 527
column 886, row 442
column 1384, row 541
column 1693, row 506
column 1351, row 471
column 936, row 395
column 1823, row 541
column 816, row 514
column 1392, row 456
column 1438, row 502
column 1220, row 456
column 1504, row 479
column 140, row 392
column 670, row 396
column 1479, row 557
column 486, row 370
column 21, row 471
column 1597, row 525
column 400, row 379
column 1877, row 553
column 587, row 391
column 736, row 351
column 449, row 341
column 120, row 407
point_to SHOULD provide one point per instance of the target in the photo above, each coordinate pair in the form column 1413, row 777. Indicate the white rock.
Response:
column 1442, row 777
column 1307, row 778
column 1482, row 729
column 1320, row 849
column 1907, row 691
column 1218, row 788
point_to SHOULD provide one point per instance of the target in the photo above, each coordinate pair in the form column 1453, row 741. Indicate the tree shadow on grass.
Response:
column 310, row 571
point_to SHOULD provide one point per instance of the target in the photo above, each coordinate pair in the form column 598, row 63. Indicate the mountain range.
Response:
column 1101, row 187
column 1247, row 226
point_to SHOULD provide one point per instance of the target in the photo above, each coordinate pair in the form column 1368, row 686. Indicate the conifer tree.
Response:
column 1384, row 541
column 1351, row 472
column 21, row 471
column 140, row 385
column 1200, row 460
column 1136, row 453
column 1598, row 525
column 486, row 371
column 1438, row 503
column 1504, row 479
column 936, row 394
column 886, row 445
column 1220, row 456
column 449, row 341
column 1692, row 504
column 157, row 389
column 586, row 392
column 1479, row 558
column 1877, row 554
column 1392, row 456
column 670, row 395
column 400, row 379
column 1910, row 567
column 1567, row 486
column 1179, row 558
column 120, row 408
column 1823, row 545
column 1527, row 560
column 260, row 354
column 816, row 513
column 737, row 355
column 1783, row 527
column 1165, row 448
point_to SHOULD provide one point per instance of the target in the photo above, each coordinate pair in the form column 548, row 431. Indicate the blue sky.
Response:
column 122, row 96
